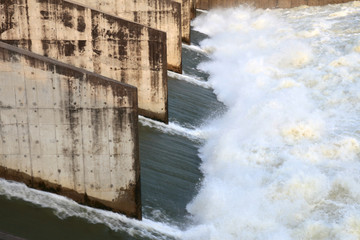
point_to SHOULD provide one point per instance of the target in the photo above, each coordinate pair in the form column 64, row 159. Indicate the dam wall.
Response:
column 209, row 4
column 69, row 131
column 164, row 15
column 86, row 38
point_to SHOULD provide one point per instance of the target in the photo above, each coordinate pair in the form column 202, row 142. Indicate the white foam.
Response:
column 202, row 11
column 190, row 79
column 64, row 208
column 284, row 161
column 338, row 14
column 173, row 129
column 195, row 48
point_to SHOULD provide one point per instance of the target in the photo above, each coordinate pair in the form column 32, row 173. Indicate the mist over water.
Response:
column 284, row 161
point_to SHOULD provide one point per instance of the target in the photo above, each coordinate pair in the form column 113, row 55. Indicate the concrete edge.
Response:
column 109, row 14
column 58, row 63
column 43, row 185
column 170, row 67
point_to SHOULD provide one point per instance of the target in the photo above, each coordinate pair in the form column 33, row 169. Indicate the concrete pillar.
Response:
column 185, row 19
column 90, row 39
column 192, row 9
column 164, row 15
column 69, row 131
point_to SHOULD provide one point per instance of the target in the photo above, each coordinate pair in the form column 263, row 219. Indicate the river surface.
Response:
column 263, row 140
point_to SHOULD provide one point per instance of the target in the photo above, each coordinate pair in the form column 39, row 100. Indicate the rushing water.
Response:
column 263, row 140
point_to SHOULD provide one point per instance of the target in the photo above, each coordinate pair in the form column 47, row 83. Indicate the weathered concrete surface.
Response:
column 185, row 19
column 69, row 131
column 164, row 15
column 99, row 42
column 209, row 4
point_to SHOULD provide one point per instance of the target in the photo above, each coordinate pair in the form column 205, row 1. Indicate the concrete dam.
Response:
column 73, row 78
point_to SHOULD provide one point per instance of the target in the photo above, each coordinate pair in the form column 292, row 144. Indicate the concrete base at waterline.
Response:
column 69, row 131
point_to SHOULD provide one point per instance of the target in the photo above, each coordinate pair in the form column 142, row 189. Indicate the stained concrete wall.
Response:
column 164, row 15
column 68, row 131
column 192, row 9
column 209, row 4
column 90, row 39
column 185, row 19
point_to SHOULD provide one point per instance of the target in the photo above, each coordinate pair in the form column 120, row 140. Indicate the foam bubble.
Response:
column 301, row 131
column 288, row 83
column 357, row 48
column 352, row 226
column 309, row 34
column 342, row 61
column 339, row 14
column 315, row 230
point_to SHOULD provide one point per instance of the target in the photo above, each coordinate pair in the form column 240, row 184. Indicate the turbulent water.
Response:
column 284, row 161
column 263, row 140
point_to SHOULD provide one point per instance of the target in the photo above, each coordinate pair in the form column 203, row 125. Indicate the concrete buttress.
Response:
column 69, row 131
column 102, row 43
column 164, row 15
column 186, row 8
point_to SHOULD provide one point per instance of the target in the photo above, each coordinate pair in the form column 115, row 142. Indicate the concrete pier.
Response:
column 164, row 15
column 69, row 131
column 185, row 19
column 90, row 39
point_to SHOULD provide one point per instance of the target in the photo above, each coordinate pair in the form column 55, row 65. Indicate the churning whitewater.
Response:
column 284, row 161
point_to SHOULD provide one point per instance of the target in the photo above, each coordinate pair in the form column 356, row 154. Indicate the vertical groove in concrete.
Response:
column 69, row 131
column 90, row 39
